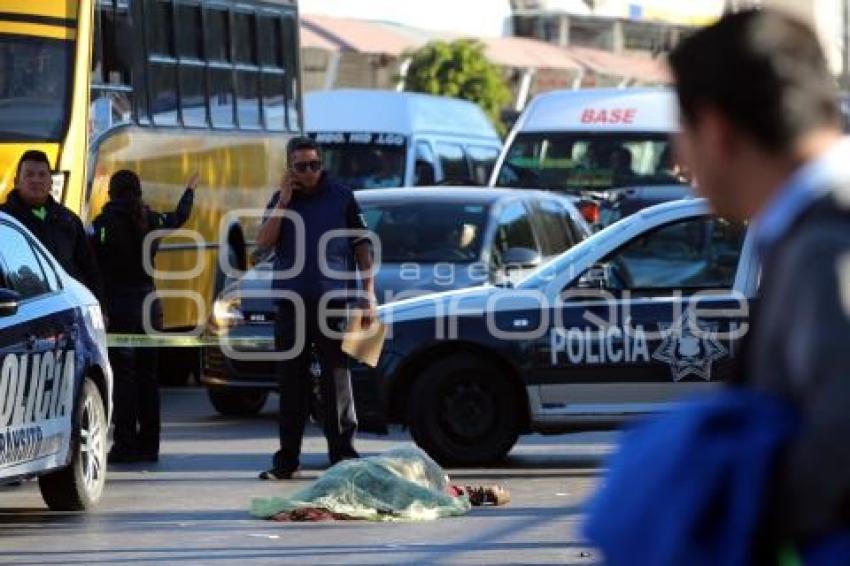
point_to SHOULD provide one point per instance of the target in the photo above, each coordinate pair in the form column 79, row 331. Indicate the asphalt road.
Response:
column 192, row 507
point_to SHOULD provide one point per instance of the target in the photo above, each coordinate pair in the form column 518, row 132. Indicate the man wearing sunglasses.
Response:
column 320, row 269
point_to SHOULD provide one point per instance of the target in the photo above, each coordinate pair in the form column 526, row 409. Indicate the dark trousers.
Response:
column 136, row 414
column 295, row 383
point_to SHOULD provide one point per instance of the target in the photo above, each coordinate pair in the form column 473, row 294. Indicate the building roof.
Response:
column 357, row 35
column 343, row 34
column 632, row 66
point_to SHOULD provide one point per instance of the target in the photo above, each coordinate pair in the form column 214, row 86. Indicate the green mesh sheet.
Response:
column 403, row 484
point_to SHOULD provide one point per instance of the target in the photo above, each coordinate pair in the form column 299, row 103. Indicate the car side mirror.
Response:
column 597, row 277
column 521, row 258
column 9, row 302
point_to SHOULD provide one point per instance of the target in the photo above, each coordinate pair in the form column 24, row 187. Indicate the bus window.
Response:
column 271, row 41
column 273, row 100
column 164, row 94
column 193, row 96
column 190, row 45
column 274, row 75
column 248, row 99
column 34, row 83
column 190, row 49
column 160, row 28
column 217, row 32
column 247, row 76
column 111, row 84
column 221, row 97
column 218, row 36
column 293, row 90
column 162, row 65
column 244, row 39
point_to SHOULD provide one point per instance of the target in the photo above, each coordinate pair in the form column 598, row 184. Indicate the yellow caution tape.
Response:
column 185, row 341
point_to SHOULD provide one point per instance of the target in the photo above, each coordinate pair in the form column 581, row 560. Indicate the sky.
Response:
column 463, row 17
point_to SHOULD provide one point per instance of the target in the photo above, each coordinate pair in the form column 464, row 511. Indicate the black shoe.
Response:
column 149, row 457
column 122, row 456
column 278, row 475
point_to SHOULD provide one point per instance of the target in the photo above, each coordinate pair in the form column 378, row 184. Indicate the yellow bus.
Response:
column 164, row 88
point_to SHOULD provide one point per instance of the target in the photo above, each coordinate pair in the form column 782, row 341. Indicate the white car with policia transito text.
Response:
column 55, row 378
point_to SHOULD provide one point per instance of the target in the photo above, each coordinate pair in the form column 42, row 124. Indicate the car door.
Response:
column 38, row 376
column 658, row 318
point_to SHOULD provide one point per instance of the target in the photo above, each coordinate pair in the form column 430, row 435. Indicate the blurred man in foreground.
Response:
column 761, row 133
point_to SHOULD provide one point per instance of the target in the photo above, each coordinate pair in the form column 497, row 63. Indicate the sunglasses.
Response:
column 303, row 166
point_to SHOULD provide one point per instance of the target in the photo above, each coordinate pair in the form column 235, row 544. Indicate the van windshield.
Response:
column 576, row 162
column 34, row 87
column 364, row 160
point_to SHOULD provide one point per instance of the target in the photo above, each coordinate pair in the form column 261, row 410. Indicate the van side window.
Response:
column 482, row 159
column 453, row 162
column 424, row 173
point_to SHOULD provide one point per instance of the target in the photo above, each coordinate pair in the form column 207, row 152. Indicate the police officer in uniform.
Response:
column 119, row 234
column 55, row 226
column 323, row 205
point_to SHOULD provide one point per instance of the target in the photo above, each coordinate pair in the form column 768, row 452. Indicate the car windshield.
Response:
column 34, row 88
column 364, row 161
column 428, row 232
column 576, row 162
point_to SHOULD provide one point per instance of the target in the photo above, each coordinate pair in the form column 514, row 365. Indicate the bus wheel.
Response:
column 462, row 411
column 79, row 485
column 237, row 401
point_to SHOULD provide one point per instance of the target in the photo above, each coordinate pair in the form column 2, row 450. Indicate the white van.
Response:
column 375, row 138
column 613, row 144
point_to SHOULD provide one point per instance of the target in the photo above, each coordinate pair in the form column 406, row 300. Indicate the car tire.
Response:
column 463, row 411
column 237, row 401
column 79, row 485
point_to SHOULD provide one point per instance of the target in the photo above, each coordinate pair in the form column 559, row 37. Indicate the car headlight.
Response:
column 227, row 312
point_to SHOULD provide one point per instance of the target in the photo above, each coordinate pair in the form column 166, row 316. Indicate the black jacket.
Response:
column 798, row 350
column 63, row 234
column 119, row 242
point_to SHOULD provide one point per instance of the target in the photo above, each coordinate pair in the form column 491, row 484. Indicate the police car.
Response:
column 648, row 310
column 55, row 378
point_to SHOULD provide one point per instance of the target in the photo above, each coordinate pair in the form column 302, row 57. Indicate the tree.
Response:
column 459, row 69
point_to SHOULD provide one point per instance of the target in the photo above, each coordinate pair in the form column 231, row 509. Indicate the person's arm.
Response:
column 363, row 255
column 269, row 232
column 86, row 262
column 179, row 216
column 813, row 483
